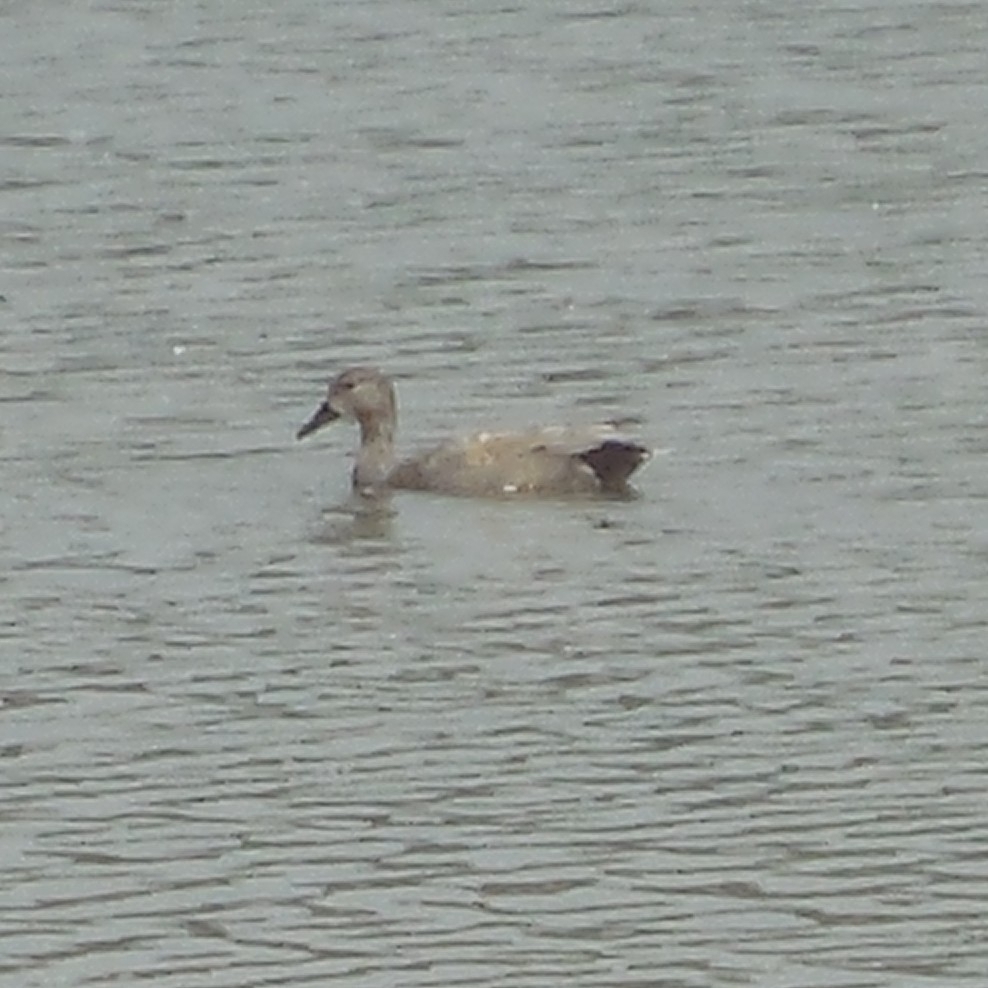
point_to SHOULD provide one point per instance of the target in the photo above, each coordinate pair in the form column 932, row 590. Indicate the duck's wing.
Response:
column 546, row 461
column 604, row 447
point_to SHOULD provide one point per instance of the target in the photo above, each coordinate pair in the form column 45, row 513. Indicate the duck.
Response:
column 540, row 461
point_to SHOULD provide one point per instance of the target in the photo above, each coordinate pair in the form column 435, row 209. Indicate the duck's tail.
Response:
column 614, row 461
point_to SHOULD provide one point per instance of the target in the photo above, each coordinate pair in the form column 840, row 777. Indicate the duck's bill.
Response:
column 324, row 414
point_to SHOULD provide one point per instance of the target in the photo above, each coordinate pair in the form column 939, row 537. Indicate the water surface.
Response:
column 731, row 732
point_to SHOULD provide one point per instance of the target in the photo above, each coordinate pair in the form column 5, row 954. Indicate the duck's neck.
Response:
column 375, row 457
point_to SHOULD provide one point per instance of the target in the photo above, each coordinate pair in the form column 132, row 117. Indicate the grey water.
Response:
column 731, row 732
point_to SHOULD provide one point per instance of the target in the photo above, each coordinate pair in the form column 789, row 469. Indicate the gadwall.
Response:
column 545, row 461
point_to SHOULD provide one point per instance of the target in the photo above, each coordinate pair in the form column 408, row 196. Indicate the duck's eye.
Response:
column 345, row 385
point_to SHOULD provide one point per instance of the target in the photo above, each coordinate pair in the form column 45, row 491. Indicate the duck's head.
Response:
column 362, row 394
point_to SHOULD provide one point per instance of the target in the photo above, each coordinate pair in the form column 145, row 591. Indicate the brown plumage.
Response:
column 549, row 461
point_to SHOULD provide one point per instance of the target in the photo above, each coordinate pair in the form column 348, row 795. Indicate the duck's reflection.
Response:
column 359, row 517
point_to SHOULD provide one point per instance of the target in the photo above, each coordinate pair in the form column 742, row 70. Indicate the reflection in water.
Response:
column 356, row 519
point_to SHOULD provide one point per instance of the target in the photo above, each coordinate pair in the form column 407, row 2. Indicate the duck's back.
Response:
column 550, row 461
